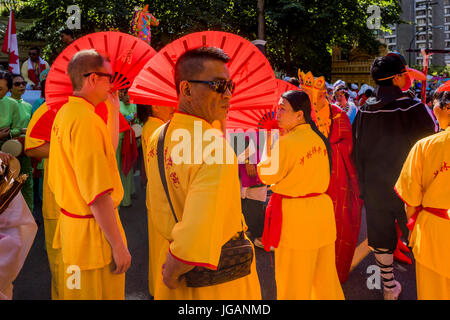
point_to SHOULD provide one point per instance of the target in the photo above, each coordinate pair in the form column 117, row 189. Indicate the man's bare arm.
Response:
column 39, row 152
column 104, row 213
column 113, row 105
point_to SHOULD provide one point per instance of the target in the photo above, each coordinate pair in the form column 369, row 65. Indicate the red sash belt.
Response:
column 441, row 213
column 76, row 216
column 273, row 219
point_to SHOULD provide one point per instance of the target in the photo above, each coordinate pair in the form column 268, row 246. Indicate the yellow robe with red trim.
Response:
column 206, row 198
column 308, row 230
column 155, row 241
column 50, row 209
column 82, row 166
column 425, row 181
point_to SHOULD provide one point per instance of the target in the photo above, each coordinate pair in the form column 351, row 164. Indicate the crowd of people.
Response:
column 342, row 148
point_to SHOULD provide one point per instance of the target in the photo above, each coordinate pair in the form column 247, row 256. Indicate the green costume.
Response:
column 25, row 162
column 129, row 112
column 24, row 113
column 16, row 115
column 9, row 117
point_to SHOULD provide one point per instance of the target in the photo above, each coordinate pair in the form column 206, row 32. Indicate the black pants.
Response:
column 381, row 231
column 254, row 213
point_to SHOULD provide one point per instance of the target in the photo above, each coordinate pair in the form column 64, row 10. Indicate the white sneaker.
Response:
column 394, row 293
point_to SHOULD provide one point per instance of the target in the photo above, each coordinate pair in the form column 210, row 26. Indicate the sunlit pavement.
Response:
column 33, row 282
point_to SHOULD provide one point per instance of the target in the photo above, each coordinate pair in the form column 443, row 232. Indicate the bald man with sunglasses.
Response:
column 85, row 180
column 205, row 194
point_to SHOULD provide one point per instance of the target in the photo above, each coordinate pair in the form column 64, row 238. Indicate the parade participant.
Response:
column 67, row 37
column 123, row 150
column 41, row 100
column 24, row 108
column 39, row 149
column 17, row 227
column 385, row 129
column 253, row 191
column 294, row 81
column 300, row 221
column 85, row 180
column 153, row 117
column 204, row 193
column 423, row 185
column 9, row 110
column 343, row 189
column 341, row 97
column 32, row 68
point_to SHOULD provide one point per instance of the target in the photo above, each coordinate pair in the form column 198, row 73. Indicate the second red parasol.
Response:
column 256, row 85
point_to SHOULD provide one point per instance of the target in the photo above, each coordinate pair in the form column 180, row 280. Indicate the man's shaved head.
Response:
column 190, row 63
column 84, row 62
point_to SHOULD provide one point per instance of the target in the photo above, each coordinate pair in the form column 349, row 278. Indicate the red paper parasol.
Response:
column 255, row 81
column 127, row 53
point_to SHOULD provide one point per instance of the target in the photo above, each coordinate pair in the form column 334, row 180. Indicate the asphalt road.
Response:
column 33, row 282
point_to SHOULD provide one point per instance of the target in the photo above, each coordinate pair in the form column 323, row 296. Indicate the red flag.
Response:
column 10, row 45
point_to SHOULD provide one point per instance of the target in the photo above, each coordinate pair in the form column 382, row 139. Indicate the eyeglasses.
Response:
column 23, row 83
column 100, row 74
column 220, row 86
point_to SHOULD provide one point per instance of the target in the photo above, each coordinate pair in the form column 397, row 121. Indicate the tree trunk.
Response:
column 261, row 26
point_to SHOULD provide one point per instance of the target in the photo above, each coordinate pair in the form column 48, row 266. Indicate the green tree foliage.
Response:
column 300, row 33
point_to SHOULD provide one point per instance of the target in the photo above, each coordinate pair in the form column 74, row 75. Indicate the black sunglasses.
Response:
column 100, row 74
column 23, row 83
column 220, row 86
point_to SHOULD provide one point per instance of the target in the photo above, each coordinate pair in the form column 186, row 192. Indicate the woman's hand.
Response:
column 4, row 133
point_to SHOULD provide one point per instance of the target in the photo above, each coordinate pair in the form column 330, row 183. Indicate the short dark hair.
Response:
column 6, row 75
column 35, row 48
column 67, row 32
column 443, row 98
column 294, row 81
column 144, row 111
column 190, row 63
column 384, row 67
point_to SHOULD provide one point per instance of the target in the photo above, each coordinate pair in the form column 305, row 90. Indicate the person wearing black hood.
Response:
column 384, row 131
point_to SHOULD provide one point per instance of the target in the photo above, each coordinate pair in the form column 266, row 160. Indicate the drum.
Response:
column 14, row 146
column 137, row 128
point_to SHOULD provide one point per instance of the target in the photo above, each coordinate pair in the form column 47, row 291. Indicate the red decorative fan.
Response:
column 444, row 87
column 127, row 53
column 284, row 86
column 43, row 127
column 261, row 118
column 256, row 86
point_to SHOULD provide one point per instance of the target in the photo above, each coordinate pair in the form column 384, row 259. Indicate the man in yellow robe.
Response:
column 85, row 180
column 424, row 187
column 205, row 194
column 39, row 149
column 153, row 117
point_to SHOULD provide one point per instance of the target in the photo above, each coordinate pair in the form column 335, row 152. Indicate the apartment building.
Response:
column 417, row 33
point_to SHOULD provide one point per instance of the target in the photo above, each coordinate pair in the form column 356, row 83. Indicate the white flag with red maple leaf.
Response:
column 10, row 45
